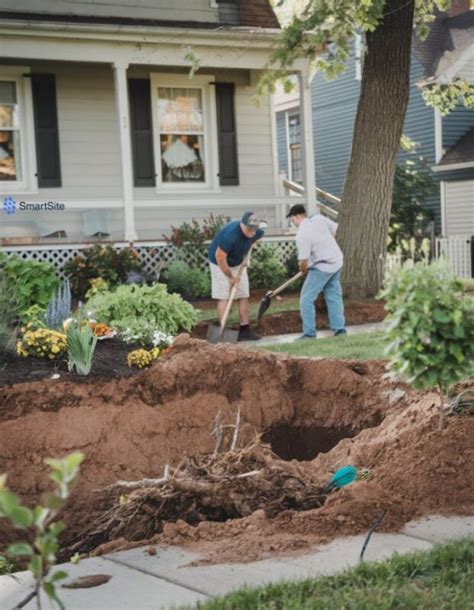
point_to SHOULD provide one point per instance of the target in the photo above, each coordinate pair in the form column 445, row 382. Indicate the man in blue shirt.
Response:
column 227, row 251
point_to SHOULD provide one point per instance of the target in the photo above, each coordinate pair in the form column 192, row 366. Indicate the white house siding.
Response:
column 459, row 205
column 91, row 170
column 173, row 10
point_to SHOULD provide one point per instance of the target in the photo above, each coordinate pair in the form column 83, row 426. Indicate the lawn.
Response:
column 440, row 579
column 363, row 346
column 207, row 309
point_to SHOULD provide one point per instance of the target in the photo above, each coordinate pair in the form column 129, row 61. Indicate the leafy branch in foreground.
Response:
column 431, row 327
column 42, row 519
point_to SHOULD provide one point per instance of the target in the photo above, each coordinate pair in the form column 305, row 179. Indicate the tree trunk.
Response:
column 367, row 196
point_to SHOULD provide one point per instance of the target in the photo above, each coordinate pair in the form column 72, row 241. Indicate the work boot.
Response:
column 246, row 334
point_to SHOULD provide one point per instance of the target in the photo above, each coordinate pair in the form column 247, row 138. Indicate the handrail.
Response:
column 323, row 208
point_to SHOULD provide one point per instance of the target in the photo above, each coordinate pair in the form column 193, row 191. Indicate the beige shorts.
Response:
column 221, row 286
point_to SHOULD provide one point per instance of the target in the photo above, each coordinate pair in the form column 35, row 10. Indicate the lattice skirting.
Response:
column 155, row 256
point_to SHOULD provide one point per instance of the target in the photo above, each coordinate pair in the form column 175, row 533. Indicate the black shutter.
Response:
column 46, row 130
column 141, row 132
column 227, row 135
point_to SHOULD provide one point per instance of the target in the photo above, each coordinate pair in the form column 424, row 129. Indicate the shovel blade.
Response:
column 216, row 335
column 264, row 304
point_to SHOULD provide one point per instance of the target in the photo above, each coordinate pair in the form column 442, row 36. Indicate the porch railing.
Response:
column 458, row 250
column 294, row 187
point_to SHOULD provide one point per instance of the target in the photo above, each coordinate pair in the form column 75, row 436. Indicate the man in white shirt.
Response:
column 321, row 259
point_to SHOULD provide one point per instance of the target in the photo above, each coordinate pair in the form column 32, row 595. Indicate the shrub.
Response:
column 101, row 261
column 8, row 308
column 189, row 282
column 431, row 327
column 292, row 268
column 143, row 307
column 96, row 285
column 42, row 343
column 43, row 521
column 266, row 270
column 32, row 282
column 81, row 344
column 190, row 238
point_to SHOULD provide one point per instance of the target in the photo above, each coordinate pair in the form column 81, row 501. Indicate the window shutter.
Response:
column 46, row 129
column 141, row 132
column 227, row 135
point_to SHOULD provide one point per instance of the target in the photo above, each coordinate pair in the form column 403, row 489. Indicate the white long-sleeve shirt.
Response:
column 316, row 243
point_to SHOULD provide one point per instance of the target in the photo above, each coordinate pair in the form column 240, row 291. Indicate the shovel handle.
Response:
column 243, row 264
column 287, row 283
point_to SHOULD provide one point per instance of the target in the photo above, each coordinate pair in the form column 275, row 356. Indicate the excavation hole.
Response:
column 304, row 443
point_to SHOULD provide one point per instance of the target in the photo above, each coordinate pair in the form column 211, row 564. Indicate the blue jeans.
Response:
column 329, row 283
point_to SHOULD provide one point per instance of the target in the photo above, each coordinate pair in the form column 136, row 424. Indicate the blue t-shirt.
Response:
column 231, row 239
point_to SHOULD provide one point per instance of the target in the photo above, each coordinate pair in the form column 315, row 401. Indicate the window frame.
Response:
column 29, row 182
column 211, row 160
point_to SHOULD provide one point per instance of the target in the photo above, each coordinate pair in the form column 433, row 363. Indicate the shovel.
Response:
column 217, row 332
column 267, row 299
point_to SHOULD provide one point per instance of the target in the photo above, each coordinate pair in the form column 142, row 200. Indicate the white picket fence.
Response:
column 457, row 251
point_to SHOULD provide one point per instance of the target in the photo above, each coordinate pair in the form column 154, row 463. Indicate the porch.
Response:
column 101, row 149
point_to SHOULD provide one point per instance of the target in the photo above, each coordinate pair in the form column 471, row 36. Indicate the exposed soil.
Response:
column 356, row 312
column 130, row 428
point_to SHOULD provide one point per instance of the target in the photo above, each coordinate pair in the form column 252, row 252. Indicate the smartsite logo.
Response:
column 9, row 205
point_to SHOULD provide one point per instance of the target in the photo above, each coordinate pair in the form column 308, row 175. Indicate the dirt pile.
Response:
column 131, row 428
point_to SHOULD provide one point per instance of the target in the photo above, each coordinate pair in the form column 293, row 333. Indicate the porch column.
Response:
column 121, row 101
column 306, row 121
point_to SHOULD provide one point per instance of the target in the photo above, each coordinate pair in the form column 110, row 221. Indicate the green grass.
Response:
column 440, row 579
column 363, row 346
column 287, row 303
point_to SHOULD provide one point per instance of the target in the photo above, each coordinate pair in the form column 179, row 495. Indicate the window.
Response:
column 182, row 116
column 294, row 142
column 10, row 154
column 16, row 141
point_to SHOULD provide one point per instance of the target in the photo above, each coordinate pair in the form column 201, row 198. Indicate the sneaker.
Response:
column 245, row 334
column 341, row 331
column 304, row 337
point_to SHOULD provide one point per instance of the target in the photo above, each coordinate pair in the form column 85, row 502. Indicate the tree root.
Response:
column 218, row 487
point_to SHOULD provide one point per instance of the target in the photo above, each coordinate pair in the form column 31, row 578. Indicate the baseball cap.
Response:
column 250, row 220
column 296, row 209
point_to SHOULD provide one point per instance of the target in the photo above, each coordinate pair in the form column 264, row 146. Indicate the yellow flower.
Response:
column 55, row 349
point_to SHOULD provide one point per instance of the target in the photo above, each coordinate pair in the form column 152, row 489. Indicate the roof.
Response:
column 252, row 13
column 258, row 13
column 461, row 152
column 450, row 38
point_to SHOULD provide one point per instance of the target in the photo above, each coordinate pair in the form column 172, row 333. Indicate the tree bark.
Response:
column 367, row 195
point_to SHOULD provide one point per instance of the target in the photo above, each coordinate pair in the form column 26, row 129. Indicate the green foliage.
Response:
column 42, row 519
column 468, row 285
column 439, row 579
column 32, row 282
column 413, row 184
column 132, row 306
column 446, row 97
column 81, row 344
column 189, row 282
column 101, row 261
column 8, row 308
column 7, row 566
column 292, row 268
column 317, row 23
column 189, row 239
column 97, row 285
column 431, row 327
column 266, row 270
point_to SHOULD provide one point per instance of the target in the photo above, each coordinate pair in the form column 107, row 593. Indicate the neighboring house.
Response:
column 447, row 143
column 100, row 120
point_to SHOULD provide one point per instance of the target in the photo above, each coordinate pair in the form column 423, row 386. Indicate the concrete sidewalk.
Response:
column 164, row 581
column 322, row 334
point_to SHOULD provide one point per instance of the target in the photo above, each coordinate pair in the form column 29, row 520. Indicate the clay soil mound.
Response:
column 329, row 413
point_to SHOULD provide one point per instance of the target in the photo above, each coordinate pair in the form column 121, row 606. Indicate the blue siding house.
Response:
column 334, row 106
